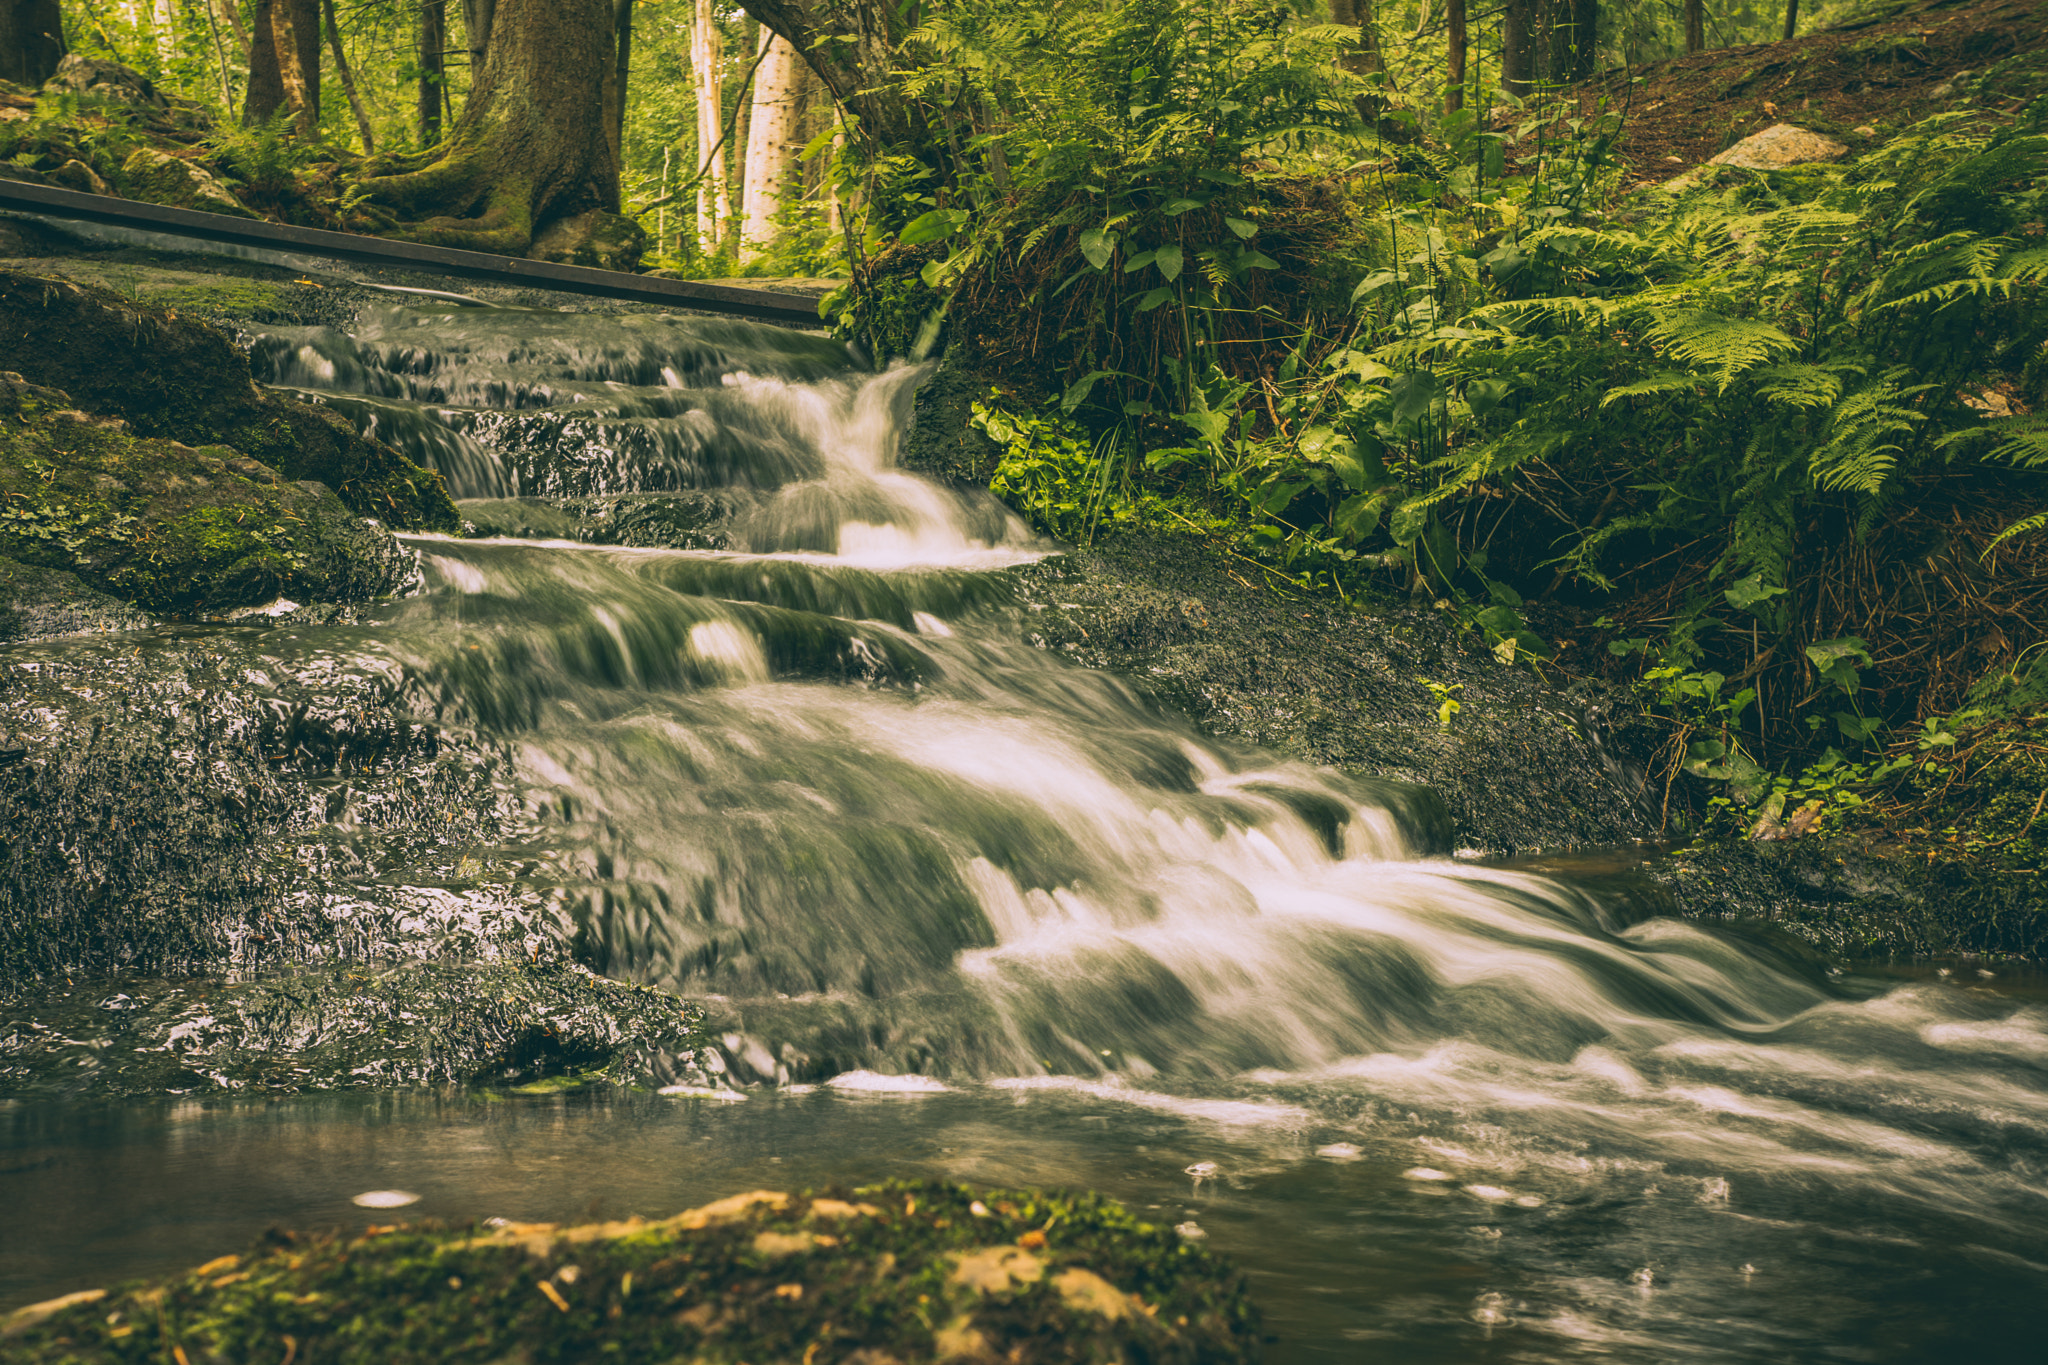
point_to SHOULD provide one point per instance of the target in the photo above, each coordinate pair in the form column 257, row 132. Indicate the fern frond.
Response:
column 2022, row 441
column 1801, row 387
column 1668, row 381
column 2024, row 526
column 1859, row 454
column 1727, row 346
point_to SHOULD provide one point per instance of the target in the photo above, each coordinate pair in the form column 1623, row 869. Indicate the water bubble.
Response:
column 1204, row 1170
column 1490, row 1310
column 1191, row 1231
column 1528, row 1201
column 1340, row 1151
column 1714, row 1190
column 1492, row 1194
column 1644, row 1280
column 385, row 1199
column 1747, row 1270
column 1426, row 1173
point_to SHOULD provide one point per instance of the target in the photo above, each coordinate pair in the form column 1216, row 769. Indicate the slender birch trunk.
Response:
column 714, row 199
column 771, row 124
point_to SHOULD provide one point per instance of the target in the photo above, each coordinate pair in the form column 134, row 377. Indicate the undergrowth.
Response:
column 1766, row 448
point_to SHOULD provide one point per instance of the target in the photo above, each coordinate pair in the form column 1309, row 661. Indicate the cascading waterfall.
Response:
column 819, row 780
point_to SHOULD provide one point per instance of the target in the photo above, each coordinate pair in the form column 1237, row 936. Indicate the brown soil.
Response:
column 1879, row 73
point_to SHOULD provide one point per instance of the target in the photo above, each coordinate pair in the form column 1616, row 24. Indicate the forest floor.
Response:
column 1879, row 73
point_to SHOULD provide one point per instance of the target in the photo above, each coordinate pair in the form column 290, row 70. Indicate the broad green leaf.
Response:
column 1749, row 591
column 1177, row 207
column 1168, row 259
column 1241, row 227
column 933, row 226
column 1097, row 246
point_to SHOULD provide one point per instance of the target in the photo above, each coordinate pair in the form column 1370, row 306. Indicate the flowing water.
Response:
column 957, row 907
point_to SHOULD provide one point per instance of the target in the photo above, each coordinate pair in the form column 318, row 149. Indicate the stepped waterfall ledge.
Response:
column 722, row 806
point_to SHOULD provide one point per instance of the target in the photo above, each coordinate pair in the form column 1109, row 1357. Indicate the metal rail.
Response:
column 791, row 310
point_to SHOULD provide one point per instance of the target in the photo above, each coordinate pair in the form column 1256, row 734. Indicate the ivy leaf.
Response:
column 1240, row 226
column 1177, row 207
column 1133, row 264
column 1154, row 297
column 1168, row 259
column 1749, row 591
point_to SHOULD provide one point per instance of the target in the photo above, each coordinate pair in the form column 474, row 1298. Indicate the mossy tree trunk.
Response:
column 531, row 146
column 31, row 41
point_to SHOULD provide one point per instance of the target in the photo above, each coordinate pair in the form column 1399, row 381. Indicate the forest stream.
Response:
column 958, row 907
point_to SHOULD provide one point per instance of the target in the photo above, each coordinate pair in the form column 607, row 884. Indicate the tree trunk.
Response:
column 265, row 95
column 232, row 12
column 433, row 69
column 1518, row 46
column 714, row 199
column 295, row 29
column 851, row 45
column 284, row 63
column 770, row 128
column 1585, row 38
column 1791, row 19
column 1695, row 26
column 622, row 64
column 1454, row 73
column 476, row 28
column 31, row 41
column 530, row 150
column 1362, row 58
column 348, row 80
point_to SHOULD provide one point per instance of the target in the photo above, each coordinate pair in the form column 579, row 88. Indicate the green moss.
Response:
column 902, row 1272
column 177, row 378
column 171, row 528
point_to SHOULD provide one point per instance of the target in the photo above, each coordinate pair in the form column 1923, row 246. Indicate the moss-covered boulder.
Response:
column 892, row 1274
column 172, row 528
column 160, row 178
column 523, row 1024
column 177, row 378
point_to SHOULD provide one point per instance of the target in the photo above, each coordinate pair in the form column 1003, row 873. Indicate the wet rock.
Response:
column 1521, row 766
column 223, row 800
column 606, row 241
column 675, row 521
column 532, row 1024
column 897, row 1273
column 174, row 529
column 160, row 178
column 178, row 378
column 37, row 603
column 76, row 175
column 1849, row 898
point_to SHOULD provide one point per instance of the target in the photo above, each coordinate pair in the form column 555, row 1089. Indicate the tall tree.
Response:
column 284, row 63
column 433, row 68
column 771, row 127
column 1695, row 25
column 622, row 66
column 348, row 78
column 1454, row 75
column 714, row 198
column 1791, row 19
column 1518, row 46
column 1362, row 58
column 476, row 27
column 530, row 151
column 31, row 40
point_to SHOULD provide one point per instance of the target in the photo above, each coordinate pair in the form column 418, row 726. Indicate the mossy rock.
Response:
column 159, row 178
column 177, row 378
column 604, row 241
column 519, row 1025
column 889, row 1274
column 174, row 529
column 37, row 603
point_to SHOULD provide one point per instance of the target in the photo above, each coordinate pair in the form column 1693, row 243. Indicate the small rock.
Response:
column 102, row 79
column 1779, row 146
column 1865, row 130
column 160, row 178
